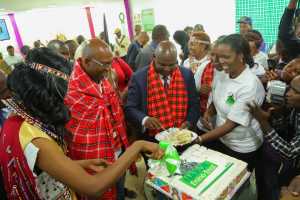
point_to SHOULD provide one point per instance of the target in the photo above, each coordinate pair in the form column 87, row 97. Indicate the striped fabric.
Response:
column 206, row 79
column 97, row 122
column 170, row 108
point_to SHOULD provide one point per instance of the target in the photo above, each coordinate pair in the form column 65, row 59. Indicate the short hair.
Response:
column 181, row 37
column 199, row 27
column 37, row 44
column 188, row 28
column 9, row 47
column 160, row 33
column 80, row 39
column 25, row 50
column 254, row 36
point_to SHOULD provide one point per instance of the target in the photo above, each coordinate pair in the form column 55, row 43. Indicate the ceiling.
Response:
column 22, row 5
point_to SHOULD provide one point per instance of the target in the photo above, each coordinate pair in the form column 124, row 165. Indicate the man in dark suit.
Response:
column 162, row 95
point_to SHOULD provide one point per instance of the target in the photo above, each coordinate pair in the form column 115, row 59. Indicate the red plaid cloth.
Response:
column 206, row 79
column 170, row 108
column 97, row 122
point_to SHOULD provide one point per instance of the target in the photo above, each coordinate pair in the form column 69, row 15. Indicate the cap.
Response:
column 117, row 30
column 246, row 20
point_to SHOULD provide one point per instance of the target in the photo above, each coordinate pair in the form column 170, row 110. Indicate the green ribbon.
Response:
column 171, row 157
column 122, row 18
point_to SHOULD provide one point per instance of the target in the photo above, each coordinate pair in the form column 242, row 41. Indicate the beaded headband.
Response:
column 49, row 70
column 200, row 41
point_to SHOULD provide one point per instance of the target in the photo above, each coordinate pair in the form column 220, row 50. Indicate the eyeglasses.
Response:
column 104, row 65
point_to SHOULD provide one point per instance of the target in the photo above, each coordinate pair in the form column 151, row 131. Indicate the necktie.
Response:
column 166, row 84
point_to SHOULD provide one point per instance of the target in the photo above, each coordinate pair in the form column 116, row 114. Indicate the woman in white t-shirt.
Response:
column 238, row 133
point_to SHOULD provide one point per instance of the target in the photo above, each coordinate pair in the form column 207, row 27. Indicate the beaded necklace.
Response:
column 20, row 110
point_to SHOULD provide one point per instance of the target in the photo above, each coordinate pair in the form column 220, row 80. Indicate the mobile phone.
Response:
column 272, row 64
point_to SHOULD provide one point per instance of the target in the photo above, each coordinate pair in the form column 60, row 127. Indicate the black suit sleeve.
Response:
column 133, row 107
column 131, row 56
column 193, row 103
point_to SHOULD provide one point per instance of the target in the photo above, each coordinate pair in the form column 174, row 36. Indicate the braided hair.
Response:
column 38, row 93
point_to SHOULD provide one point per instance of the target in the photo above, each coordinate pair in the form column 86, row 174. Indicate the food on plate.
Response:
column 180, row 137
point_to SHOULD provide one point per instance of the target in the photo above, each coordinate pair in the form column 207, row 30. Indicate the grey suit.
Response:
column 145, row 56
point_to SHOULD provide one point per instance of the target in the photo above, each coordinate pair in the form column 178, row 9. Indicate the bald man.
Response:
column 162, row 95
column 135, row 47
column 97, row 123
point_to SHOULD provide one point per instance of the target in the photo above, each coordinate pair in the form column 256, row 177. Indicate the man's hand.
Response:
column 258, row 113
column 294, row 187
column 261, row 116
column 185, row 125
column 293, row 100
column 153, row 123
column 272, row 75
column 205, row 89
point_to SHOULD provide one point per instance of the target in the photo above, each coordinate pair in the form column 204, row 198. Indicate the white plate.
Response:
column 163, row 136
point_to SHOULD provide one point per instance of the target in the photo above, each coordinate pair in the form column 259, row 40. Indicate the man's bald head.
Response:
column 93, row 47
column 143, row 38
column 165, row 58
column 166, row 49
column 96, row 58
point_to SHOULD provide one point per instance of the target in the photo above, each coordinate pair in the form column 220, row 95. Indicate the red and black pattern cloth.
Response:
column 206, row 79
column 97, row 123
column 171, row 107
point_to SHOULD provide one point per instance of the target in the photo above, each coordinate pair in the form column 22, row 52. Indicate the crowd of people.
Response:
column 76, row 114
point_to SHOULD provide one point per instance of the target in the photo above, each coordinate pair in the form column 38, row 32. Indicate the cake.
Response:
column 213, row 176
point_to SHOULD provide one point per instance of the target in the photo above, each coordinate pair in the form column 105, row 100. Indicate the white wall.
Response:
column 45, row 24
column 111, row 11
column 217, row 16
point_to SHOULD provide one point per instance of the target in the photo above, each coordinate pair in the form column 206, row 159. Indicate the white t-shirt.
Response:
column 12, row 60
column 262, row 59
column 230, row 98
column 258, row 70
column 201, row 66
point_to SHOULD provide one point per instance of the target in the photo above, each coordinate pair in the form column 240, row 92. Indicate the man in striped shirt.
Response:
column 281, row 152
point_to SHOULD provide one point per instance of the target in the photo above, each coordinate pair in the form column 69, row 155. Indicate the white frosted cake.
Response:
column 213, row 176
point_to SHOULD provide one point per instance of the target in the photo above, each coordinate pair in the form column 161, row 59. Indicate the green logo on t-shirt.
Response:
column 230, row 100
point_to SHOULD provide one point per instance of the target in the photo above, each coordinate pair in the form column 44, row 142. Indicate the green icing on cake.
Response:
column 196, row 176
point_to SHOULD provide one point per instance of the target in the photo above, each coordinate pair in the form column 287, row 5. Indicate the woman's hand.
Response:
column 151, row 149
column 207, row 121
column 205, row 89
